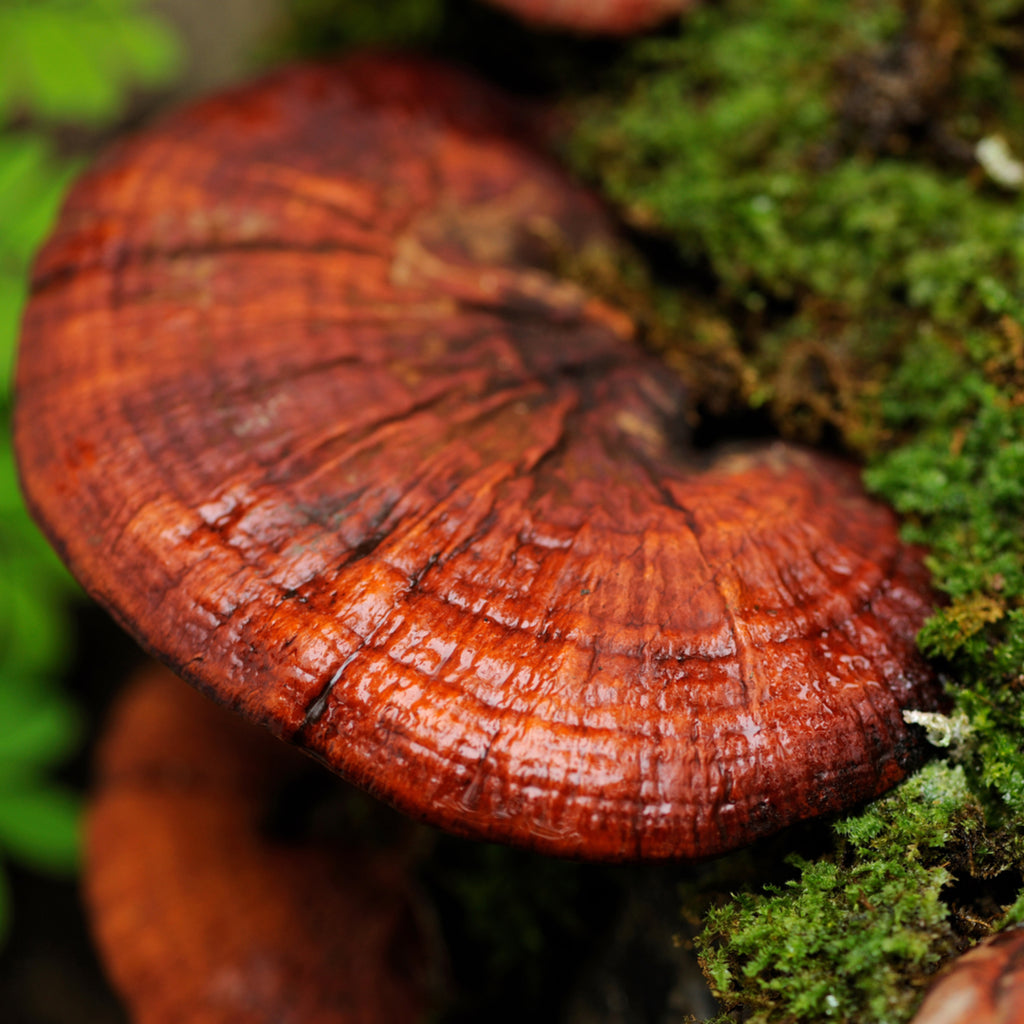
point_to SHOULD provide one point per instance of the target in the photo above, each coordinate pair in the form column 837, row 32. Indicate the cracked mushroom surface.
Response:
column 298, row 401
column 204, row 913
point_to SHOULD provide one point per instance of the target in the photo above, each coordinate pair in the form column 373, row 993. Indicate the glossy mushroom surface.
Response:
column 605, row 17
column 203, row 915
column 985, row 986
column 300, row 402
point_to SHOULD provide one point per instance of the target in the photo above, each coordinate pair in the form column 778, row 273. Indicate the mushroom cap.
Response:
column 606, row 17
column 201, row 915
column 298, row 401
column 984, row 986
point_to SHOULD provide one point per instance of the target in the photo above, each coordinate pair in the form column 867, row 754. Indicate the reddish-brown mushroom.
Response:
column 299, row 403
column 985, row 986
column 611, row 17
column 204, row 917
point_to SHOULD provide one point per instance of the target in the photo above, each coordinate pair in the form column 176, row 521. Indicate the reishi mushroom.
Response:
column 301, row 402
column 203, row 915
column 610, row 17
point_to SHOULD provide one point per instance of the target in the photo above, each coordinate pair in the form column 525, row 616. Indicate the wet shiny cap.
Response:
column 301, row 401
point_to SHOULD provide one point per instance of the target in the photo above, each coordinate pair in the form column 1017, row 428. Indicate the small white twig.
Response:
column 999, row 163
column 941, row 730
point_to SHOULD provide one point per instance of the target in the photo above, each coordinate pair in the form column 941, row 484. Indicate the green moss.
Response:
column 854, row 935
column 759, row 139
column 819, row 160
column 958, row 478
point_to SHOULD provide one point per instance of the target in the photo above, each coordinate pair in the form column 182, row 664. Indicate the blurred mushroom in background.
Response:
column 207, row 912
column 611, row 17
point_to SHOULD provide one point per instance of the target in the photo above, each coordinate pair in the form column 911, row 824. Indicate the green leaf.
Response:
column 41, row 827
column 31, row 187
column 36, row 729
column 77, row 61
column 32, row 627
column 12, row 301
column 32, row 198
column 82, row 91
